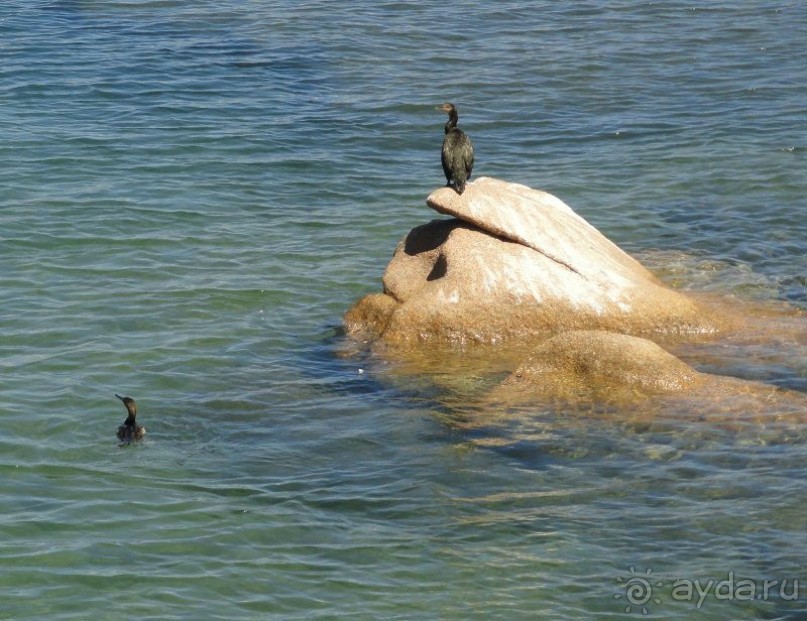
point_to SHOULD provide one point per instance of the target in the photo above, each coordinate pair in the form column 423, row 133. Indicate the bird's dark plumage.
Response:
column 458, row 151
column 130, row 431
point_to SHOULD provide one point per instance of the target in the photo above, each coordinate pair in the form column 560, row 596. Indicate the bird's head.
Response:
column 131, row 406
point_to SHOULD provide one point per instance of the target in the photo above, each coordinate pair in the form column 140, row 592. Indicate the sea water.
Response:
column 193, row 193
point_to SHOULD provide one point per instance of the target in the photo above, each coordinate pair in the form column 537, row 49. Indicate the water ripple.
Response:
column 193, row 194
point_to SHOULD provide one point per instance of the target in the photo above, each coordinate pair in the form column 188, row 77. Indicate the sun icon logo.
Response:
column 638, row 590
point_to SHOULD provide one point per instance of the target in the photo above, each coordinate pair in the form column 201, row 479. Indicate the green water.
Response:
column 191, row 196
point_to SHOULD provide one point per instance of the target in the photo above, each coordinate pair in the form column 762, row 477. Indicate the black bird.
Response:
column 130, row 431
column 458, row 151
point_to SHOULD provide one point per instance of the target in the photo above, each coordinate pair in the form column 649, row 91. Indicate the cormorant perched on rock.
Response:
column 130, row 431
column 458, row 151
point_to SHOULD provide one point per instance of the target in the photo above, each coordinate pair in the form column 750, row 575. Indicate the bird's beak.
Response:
column 118, row 396
column 442, row 108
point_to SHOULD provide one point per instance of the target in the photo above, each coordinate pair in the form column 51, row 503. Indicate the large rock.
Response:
column 515, row 262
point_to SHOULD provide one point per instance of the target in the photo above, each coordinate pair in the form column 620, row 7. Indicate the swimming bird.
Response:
column 130, row 431
column 458, row 151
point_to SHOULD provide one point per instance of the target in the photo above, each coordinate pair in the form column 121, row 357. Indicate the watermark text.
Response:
column 640, row 591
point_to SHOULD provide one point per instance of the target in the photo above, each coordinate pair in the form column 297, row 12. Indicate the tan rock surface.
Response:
column 587, row 362
column 516, row 262
column 606, row 368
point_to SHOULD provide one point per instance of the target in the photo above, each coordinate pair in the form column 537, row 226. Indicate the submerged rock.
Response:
column 590, row 366
column 582, row 363
column 515, row 262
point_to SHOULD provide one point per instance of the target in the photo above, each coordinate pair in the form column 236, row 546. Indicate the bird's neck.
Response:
column 453, row 117
column 130, row 420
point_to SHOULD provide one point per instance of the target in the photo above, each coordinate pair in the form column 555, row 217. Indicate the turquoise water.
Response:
column 193, row 193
